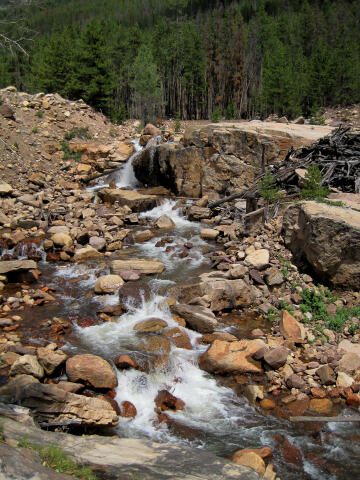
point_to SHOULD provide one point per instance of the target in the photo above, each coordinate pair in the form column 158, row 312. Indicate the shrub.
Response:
column 79, row 132
column 39, row 113
column 35, row 130
column 68, row 153
column 268, row 188
column 216, row 115
column 230, row 111
column 312, row 187
column 113, row 132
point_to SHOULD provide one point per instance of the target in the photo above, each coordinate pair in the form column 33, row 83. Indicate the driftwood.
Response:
column 354, row 418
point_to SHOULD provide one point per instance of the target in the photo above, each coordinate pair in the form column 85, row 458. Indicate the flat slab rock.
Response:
column 145, row 266
column 9, row 266
column 134, row 200
column 123, row 458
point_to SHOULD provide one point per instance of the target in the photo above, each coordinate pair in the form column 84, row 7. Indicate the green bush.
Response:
column 79, row 132
column 268, row 189
column 216, row 115
column 39, row 113
column 68, row 153
column 312, row 189
column 230, row 111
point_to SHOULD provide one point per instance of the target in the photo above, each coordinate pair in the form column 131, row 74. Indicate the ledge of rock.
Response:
column 220, row 159
column 134, row 200
column 327, row 238
column 145, row 266
column 120, row 458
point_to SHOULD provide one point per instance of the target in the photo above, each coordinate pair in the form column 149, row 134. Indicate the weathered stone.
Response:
column 10, row 267
column 223, row 294
column 326, row 375
column 11, row 391
column 258, row 259
column 323, row 406
column 327, row 238
column 231, row 357
column 290, row 328
column 50, row 357
column 254, row 392
column 145, row 266
column 209, row 234
column 350, row 362
column 344, row 380
column 150, row 325
column 199, row 318
column 211, row 337
column 250, row 459
column 92, row 370
column 28, row 365
column 164, row 223
column 128, row 409
column 345, row 346
column 134, row 200
column 143, row 236
column 276, row 357
column 5, row 188
column 198, row 213
column 99, row 243
column 273, row 276
column 86, row 253
column 294, row 381
column 62, row 240
column 108, row 284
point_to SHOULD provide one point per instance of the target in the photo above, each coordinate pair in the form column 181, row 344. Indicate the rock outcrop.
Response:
column 220, row 159
column 327, row 238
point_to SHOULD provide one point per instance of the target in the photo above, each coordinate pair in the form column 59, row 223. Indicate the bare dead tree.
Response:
column 12, row 43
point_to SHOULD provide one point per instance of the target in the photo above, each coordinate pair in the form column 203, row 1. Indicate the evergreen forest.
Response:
column 185, row 58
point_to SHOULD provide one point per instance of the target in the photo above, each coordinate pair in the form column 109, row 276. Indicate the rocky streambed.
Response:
column 154, row 318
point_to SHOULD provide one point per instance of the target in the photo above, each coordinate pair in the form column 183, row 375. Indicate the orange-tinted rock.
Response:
column 250, row 459
column 290, row 327
column 318, row 392
column 353, row 399
column 231, row 357
column 166, row 401
column 128, row 410
column 267, row 404
column 92, row 370
column 123, row 362
column 289, row 452
column 211, row 337
column 323, row 406
column 299, row 407
column 179, row 338
column 265, row 453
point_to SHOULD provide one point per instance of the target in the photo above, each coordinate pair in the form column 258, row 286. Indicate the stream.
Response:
column 215, row 417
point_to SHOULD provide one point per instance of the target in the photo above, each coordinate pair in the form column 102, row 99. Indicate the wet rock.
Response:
column 276, row 357
column 124, row 362
column 61, row 240
column 250, row 459
column 28, row 365
column 150, row 325
column 211, row 337
column 92, row 370
column 145, row 266
column 134, row 294
column 143, row 236
column 231, row 357
column 199, row 318
column 158, row 346
column 327, row 238
column 326, row 375
column 322, row 406
column 290, row 328
column 86, row 253
column 209, row 234
column 294, row 381
column 166, row 401
column 130, row 276
column 13, row 269
column 164, row 223
column 50, row 357
column 128, row 409
column 254, row 392
column 108, row 284
column 178, row 338
column 267, row 404
column 289, row 452
column 258, row 259
column 265, row 453
column 198, row 213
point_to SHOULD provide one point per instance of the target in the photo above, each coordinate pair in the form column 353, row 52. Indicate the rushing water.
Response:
column 215, row 417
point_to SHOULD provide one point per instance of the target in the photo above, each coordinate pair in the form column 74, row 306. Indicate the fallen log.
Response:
column 354, row 418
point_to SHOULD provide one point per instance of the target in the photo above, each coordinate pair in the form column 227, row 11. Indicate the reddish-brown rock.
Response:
column 123, row 362
column 166, row 401
column 289, row 452
column 92, row 370
column 128, row 410
column 179, row 338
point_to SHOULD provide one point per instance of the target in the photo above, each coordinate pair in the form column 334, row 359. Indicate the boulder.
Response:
column 276, row 357
column 50, row 357
column 197, row 317
column 258, row 259
column 345, row 346
column 178, row 338
column 145, row 266
column 91, row 370
column 128, row 409
column 151, row 130
column 134, row 294
column 349, row 363
column 143, row 236
column 108, row 284
column 124, row 362
column 326, row 375
column 134, row 200
column 344, row 380
column 209, row 234
column 164, row 400
column 326, row 238
column 86, row 253
column 5, row 188
column 290, row 328
column 322, row 406
column 28, row 365
column 198, row 213
column 150, row 325
column 294, row 381
column 10, row 267
column 273, row 276
column 4, row 220
column 231, row 357
column 164, row 223
column 62, row 240
column 224, row 294
column 99, row 243
column 250, row 459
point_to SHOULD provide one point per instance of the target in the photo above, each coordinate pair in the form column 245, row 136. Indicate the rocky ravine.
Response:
column 296, row 363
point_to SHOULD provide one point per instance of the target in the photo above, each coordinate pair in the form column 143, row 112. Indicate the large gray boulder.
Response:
column 327, row 238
